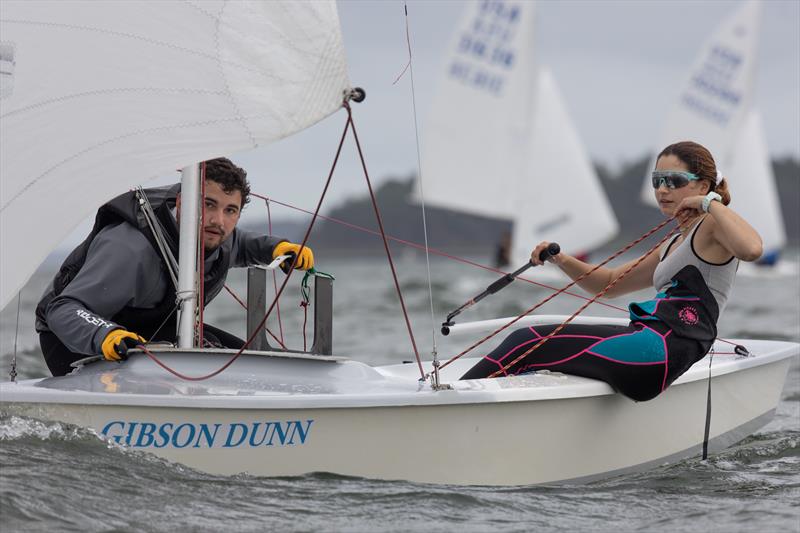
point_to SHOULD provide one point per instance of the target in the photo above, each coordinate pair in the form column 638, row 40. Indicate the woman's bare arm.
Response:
column 641, row 277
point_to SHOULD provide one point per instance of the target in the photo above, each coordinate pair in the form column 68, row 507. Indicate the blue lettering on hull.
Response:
column 142, row 434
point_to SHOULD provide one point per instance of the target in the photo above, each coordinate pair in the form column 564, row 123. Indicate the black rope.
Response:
column 708, row 407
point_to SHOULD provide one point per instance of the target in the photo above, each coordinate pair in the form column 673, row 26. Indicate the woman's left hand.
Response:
column 689, row 208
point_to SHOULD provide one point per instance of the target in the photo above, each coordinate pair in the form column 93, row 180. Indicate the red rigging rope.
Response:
column 180, row 375
column 434, row 251
column 244, row 306
column 584, row 306
column 453, row 257
column 349, row 125
column 386, row 244
column 573, row 283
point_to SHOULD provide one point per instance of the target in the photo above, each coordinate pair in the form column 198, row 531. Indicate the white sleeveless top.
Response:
column 718, row 276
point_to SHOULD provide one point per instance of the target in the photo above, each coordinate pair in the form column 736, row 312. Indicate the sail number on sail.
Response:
column 713, row 88
column 484, row 51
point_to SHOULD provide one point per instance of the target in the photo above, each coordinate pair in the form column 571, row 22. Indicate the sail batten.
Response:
column 98, row 97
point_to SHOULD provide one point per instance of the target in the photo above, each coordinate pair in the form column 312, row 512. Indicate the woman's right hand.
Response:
column 542, row 246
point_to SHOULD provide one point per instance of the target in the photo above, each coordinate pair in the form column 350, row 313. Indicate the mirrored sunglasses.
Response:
column 673, row 179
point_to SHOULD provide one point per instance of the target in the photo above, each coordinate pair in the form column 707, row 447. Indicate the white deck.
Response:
column 259, row 380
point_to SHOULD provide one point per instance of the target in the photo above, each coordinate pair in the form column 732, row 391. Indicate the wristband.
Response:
column 710, row 197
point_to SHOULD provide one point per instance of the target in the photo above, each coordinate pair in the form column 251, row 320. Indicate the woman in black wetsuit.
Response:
column 693, row 275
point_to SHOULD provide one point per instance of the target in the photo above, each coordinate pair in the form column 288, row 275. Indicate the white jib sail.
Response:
column 560, row 197
column 718, row 92
column 754, row 194
column 96, row 97
column 477, row 131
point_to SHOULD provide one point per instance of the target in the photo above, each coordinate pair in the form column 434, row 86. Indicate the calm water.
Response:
column 58, row 477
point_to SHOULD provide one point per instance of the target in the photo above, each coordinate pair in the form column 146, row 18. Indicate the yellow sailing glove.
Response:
column 118, row 342
column 304, row 262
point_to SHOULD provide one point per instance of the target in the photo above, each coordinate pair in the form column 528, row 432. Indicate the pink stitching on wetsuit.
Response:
column 601, row 339
column 551, row 363
column 499, row 361
column 588, row 350
column 515, row 348
column 666, row 360
column 666, row 353
column 659, row 300
column 573, row 336
column 625, row 362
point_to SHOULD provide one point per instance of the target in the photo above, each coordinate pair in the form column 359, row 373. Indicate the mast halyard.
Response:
column 187, row 255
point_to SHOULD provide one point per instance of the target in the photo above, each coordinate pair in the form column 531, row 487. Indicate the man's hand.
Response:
column 118, row 342
column 304, row 261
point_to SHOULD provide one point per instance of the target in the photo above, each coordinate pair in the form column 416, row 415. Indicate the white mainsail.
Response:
column 96, row 97
column 499, row 141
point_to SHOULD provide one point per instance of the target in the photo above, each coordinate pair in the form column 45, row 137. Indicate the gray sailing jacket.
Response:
column 123, row 270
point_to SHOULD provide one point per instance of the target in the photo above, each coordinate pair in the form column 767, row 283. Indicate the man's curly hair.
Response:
column 230, row 177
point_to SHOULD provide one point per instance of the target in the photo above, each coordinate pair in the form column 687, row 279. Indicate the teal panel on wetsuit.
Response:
column 643, row 310
column 644, row 346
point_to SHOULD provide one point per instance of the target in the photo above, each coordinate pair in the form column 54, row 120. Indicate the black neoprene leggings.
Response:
column 639, row 360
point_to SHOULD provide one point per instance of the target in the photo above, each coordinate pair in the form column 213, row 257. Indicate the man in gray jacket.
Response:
column 114, row 290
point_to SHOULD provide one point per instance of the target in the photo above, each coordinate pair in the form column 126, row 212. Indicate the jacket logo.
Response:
column 689, row 315
column 93, row 320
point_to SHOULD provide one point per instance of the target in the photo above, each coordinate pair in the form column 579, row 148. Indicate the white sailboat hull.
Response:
column 381, row 423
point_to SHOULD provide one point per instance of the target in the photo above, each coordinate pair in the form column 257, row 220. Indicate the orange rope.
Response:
column 583, row 307
column 434, row 251
column 386, row 245
column 244, row 305
column 573, row 283
column 174, row 372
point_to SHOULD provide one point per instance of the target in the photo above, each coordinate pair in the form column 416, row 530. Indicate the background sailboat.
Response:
column 499, row 141
column 716, row 108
